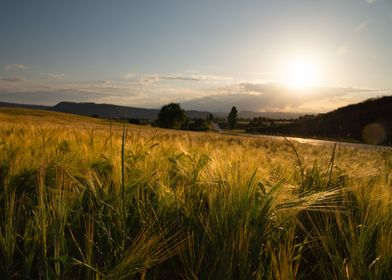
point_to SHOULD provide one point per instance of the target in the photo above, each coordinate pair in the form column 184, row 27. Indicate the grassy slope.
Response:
column 36, row 117
column 185, row 205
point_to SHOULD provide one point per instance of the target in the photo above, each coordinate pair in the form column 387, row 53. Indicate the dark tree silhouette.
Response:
column 369, row 122
column 210, row 117
column 171, row 116
column 198, row 125
column 232, row 118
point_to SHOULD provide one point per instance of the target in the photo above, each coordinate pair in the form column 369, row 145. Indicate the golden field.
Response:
column 90, row 199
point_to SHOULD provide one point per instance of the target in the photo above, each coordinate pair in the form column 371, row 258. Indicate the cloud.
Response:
column 15, row 66
column 362, row 25
column 178, row 77
column 370, row 1
column 196, row 77
column 193, row 91
column 55, row 76
column 155, row 78
column 277, row 97
column 13, row 80
column 148, row 79
column 49, row 93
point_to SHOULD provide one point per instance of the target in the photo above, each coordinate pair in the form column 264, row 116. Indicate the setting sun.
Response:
column 302, row 72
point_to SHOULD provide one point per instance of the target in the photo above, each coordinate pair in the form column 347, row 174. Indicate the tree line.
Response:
column 173, row 116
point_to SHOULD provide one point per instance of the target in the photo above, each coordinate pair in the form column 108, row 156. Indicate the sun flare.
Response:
column 302, row 72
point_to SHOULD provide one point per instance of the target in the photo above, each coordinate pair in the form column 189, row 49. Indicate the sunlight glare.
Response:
column 302, row 72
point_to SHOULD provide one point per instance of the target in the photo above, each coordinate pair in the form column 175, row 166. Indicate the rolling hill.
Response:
column 26, row 106
column 369, row 121
column 117, row 112
column 106, row 111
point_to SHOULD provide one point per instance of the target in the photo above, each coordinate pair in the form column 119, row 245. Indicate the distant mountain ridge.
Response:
column 104, row 110
column 117, row 111
column 26, row 106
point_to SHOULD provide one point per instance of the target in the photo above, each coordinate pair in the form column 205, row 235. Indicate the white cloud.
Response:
column 15, row 66
column 211, row 79
column 196, row 77
column 278, row 97
column 56, row 76
column 193, row 91
column 13, row 79
column 147, row 80
column 370, row 1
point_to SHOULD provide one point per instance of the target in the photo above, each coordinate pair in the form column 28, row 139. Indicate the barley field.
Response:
column 83, row 198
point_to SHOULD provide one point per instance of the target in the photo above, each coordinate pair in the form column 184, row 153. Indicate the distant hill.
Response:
column 105, row 110
column 90, row 109
column 26, row 106
column 117, row 111
column 369, row 122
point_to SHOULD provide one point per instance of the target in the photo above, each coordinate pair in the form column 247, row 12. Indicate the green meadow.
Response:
column 84, row 198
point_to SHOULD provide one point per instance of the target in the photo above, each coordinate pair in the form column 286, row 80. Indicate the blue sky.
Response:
column 198, row 53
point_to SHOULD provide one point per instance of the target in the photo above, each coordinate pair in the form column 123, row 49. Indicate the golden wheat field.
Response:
column 84, row 198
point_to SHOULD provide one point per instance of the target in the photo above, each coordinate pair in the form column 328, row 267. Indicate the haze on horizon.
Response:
column 292, row 56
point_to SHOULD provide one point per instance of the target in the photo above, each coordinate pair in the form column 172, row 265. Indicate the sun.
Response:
column 302, row 72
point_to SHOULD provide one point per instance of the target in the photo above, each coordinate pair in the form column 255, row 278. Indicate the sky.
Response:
column 294, row 56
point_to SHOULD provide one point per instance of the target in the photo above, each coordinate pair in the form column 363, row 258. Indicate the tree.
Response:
column 198, row 125
column 210, row 117
column 171, row 116
column 232, row 118
column 209, row 120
